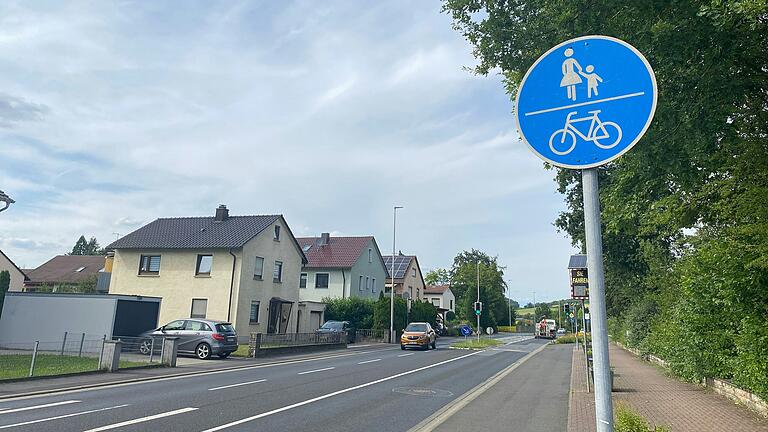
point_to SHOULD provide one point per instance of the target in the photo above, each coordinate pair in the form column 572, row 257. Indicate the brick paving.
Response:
column 661, row 399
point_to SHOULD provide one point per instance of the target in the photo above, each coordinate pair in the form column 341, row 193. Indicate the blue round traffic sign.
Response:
column 586, row 102
column 466, row 331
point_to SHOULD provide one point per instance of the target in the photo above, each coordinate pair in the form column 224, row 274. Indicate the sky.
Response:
column 113, row 114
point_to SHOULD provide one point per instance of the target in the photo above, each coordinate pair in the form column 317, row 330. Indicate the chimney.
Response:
column 325, row 238
column 222, row 213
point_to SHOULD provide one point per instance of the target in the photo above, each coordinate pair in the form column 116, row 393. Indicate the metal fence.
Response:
column 260, row 341
column 140, row 351
column 71, row 353
column 372, row 335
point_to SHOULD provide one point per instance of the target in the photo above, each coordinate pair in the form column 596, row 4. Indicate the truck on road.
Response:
column 546, row 328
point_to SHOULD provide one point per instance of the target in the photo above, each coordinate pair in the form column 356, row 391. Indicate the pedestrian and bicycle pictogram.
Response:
column 586, row 102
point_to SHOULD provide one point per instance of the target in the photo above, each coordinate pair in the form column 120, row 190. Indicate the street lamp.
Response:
column 5, row 199
column 392, row 276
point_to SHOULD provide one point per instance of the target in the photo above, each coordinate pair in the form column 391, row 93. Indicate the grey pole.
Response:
column 478, row 300
column 392, row 338
column 600, row 362
column 586, row 357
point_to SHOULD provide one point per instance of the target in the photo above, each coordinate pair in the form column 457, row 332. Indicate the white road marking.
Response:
column 316, row 370
column 61, row 417
column 369, row 361
column 141, row 420
column 13, row 410
column 236, row 385
column 404, row 355
column 188, row 375
column 360, row 346
column 336, row 393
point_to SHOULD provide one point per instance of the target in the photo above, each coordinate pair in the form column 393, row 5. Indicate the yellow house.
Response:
column 241, row 269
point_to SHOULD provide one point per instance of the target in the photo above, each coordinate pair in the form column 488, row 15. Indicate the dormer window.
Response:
column 306, row 248
column 277, row 232
column 79, row 269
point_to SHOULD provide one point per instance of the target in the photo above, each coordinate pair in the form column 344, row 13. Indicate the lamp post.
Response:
column 5, row 199
column 479, row 330
column 509, row 302
column 392, row 278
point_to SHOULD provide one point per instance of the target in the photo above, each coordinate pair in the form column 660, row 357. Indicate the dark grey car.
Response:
column 199, row 337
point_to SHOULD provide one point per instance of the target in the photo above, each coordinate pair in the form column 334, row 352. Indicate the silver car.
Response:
column 200, row 337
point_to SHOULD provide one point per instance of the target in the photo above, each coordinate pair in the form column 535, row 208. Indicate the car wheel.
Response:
column 402, row 347
column 203, row 351
column 224, row 355
column 145, row 346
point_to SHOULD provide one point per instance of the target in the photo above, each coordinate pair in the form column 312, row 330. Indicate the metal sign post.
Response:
column 582, row 104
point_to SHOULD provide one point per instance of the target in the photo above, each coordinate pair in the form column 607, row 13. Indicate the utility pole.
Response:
column 478, row 300
column 559, row 309
column 392, row 338
column 534, row 312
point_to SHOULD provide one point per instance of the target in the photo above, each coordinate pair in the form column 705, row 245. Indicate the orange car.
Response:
column 418, row 335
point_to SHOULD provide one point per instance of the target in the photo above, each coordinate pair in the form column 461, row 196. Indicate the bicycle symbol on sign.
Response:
column 598, row 130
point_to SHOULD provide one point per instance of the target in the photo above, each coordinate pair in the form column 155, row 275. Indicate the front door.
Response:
column 274, row 316
column 285, row 316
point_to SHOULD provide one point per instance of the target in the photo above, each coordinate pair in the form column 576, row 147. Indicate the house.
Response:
column 66, row 273
column 408, row 277
column 242, row 269
column 18, row 276
column 339, row 267
column 442, row 297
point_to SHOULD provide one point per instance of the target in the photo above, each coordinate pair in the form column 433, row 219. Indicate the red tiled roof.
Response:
column 63, row 269
column 436, row 289
column 340, row 252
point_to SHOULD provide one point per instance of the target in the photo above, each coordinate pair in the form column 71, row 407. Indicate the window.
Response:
column 373, row 285
column 370, row 255
column 451, row 304
column 367, row 283
column 306, row 248
column 174, row 325
column 258, row 269
column 360, row 284
column 204, row 263
column 197, row 326
column 254, row 318
column 199, row 307
column 414, row 272
column 149, row 265
column 277, row 273
column 277, row 232
column 79, row 269
column 321, row 280
column 303, row 280
column 436, row 301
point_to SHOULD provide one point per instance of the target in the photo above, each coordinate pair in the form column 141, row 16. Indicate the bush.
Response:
column 381, row 314
column 630, row 421
column 450, row 316
column 566, row 339
column 507, row 329
column 358, row 311
column 423, row 311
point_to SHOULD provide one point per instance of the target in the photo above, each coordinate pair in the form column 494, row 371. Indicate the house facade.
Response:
column 408, row 277
column 341, row 267
column 17, row 276
column 241, row 269
column 440, row 296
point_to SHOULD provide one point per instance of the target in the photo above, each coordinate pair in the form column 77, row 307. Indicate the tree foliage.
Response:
column 357, row 310
column 437, row 277
column 87, row 247
column 464, row 281
column 685, row 213
column 5, row 283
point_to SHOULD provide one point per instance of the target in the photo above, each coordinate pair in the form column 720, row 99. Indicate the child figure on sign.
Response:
column 592, row 80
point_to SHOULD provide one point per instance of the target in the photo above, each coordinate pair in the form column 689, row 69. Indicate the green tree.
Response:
column 464, row 281
column 381, row 314
column 544, row 310
column 685, row 213
column 437, row 277
column 5, row 283
column 87, row 247
column 423, row 311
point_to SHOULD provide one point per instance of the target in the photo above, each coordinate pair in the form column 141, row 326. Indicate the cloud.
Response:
column 14, row 110
column 326, row 113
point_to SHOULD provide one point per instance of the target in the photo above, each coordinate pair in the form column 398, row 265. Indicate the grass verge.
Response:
column 473, row 343
column 16, row 366
column 242, row 351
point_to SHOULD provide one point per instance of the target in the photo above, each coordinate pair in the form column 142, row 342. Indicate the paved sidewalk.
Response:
column 661, row 399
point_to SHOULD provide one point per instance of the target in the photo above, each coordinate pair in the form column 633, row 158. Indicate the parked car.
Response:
column 561, row 331
column 418, row 335
column 199, row 337
column 338, row 327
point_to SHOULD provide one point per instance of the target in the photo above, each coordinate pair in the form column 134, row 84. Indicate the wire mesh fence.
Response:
column 140, row 351
column 71, row 353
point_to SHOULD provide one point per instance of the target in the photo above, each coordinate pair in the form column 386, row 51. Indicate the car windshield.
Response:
column 332, row 325
column 416, row 328
column 225, row 328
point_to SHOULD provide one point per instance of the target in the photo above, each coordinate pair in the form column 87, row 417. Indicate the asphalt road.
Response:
column 372, row 389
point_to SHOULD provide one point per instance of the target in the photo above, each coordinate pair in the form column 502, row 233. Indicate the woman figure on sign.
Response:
column 570, row 76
